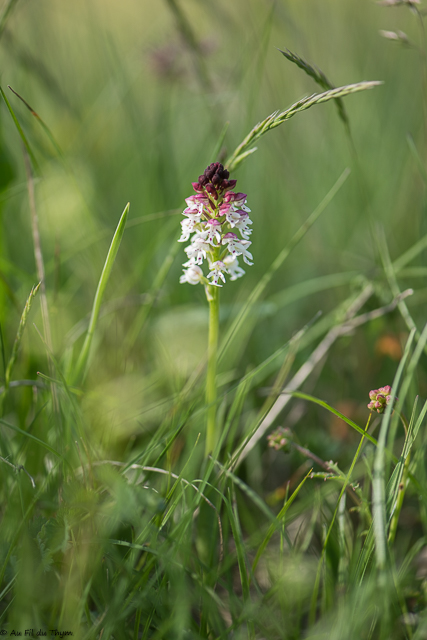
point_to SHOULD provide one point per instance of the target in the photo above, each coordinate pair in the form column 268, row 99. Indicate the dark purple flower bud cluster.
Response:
column 380, row 398
column 214, row 181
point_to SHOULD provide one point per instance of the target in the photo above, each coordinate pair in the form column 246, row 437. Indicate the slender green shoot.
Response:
column 83, row 360
column 20, row 333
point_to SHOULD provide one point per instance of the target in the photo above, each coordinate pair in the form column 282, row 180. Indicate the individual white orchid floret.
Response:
column 233, row 268
column 238, row 247
column 196, row 251
column 230, row 213
column 217, row 272
column 196, row 203
column 188, row 227
column 237, row 200
column 192, row 275
column 213, row 226
column 242, row 225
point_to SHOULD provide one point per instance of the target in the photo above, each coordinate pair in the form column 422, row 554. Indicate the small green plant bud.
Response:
column 280, row 439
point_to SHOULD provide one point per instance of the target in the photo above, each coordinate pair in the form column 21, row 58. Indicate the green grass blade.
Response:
column 278, row 117
column 378, row 480
column 83, row 360
column 3, row 353
column 319, row 77
column 331, row 524
column 42, row 124
column 274, row 527
column 20, row 332
column 8, row 8
column 20, row 131
column 254, row 497
column 262, row 284
column 241, row 558
column 325, row 405
column 308, row 287
column 220, row 142
column 420, row 165
column 30, row 435
column 391, row 277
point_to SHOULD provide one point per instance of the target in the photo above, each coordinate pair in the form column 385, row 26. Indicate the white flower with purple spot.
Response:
column 196, row 251
column 216, row 273
column 233, row 269
column 242, row 225
column 238, row 247
column 188, row 227
column 213, row 226
column 196, row 203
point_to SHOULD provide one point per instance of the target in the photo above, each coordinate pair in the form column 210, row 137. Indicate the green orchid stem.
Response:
column 211, row 435
column 402, row 489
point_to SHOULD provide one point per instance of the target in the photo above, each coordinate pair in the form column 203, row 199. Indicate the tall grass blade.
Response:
column 378, row 479
column 82, row 363
column 321, row 403
column 277, row 524
column 241, row 559
column 320, row 78
column 217, row 149
column 20, row 332
column 30, row 435
column 391, row 277
column 279, row 117
column 42, row 124
column 20, row 131
column 331, row 524
column 420, row 165
column 193, row 45
column 7, row 10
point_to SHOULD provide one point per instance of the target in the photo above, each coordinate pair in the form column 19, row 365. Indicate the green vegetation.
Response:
column 114, row 521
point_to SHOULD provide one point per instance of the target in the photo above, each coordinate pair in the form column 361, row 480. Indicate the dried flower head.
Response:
column 380, row 398
column 210, row 216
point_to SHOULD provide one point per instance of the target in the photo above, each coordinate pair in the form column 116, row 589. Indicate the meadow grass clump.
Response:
column 174, row 465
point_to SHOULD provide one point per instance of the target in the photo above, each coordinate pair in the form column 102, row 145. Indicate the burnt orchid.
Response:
column 210, row 217
column 217, row 225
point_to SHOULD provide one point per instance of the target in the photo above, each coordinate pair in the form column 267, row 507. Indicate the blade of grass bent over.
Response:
column 42, row 123
column 20, row 131
column 305, row 396
column 82, row 362
column 262, row 284
column 278, row 117
column 319, row 77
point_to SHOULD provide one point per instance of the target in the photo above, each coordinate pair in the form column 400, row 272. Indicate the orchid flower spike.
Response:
column 210, row 216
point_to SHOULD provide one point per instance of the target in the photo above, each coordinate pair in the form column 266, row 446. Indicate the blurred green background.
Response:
column 136, row 95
